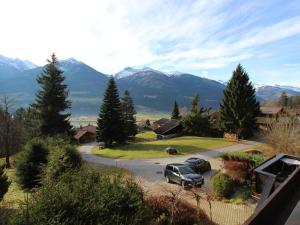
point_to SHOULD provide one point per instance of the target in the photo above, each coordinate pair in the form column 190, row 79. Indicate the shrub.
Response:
column 4, row 183
column 183, row 214
column 253, row 159
column 84, row 196
column 61, row 160
column 223, row 185
column 29, row 164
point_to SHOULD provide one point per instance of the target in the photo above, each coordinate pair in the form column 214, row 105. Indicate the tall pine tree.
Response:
column 239, row 107
column 283, row 99
column 110, row 123
column 128, row 115
column 175, row 111
column 52, row 100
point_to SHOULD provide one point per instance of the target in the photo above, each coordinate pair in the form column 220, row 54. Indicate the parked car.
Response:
column 171, row 150
column 198, row 165
column 183, row 175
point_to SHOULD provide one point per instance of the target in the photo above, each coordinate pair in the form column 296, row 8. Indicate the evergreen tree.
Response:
column 4, row 183
column 195, row 103
column 128, row 115
column 197, row 122
column 239, row 107
column 52, row 100
column 110, row 123
column 283, row 99
column 175, row 112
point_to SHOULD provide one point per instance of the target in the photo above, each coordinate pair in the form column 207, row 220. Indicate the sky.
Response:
column 207, row 38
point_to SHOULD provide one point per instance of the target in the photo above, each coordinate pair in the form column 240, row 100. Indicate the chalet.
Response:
column 85, row 134
column 167, row 128
column 267, row 113
column 271, row 111
column 158, row 123
column 277, row 181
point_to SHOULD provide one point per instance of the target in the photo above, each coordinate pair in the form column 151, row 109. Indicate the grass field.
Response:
column 145, row 147
column 14, row 194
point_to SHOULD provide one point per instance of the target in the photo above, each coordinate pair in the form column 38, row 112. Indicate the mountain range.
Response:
column 152, row 90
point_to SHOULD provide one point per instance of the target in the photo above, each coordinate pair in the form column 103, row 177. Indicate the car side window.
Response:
column 176, row 170
column 169, row 168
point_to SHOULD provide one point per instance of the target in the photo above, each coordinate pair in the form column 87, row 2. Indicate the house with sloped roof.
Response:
column 167, row 128
column 267, row 111
column 85, row 134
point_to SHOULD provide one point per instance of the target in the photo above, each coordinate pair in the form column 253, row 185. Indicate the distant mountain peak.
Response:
column 70, row 61
column 128, row 71
column 175, row 73
column 18, row 64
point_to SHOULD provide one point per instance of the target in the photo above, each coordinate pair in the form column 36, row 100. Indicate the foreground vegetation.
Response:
column 156, row 149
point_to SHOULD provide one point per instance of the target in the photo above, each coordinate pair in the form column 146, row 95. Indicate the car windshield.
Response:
column 185, row 170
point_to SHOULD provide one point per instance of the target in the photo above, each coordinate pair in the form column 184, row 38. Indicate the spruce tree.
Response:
column 52, row 100
column 239, row 107
column 195, row 102
column 4, row 183
column 110, row 123
column 130, row 127
column 175, row 112
column 283, row 99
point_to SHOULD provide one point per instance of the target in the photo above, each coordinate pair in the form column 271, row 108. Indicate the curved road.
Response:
column 149, row 174
column 152, row 169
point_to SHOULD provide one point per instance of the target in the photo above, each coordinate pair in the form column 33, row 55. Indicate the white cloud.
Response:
column 110, row 34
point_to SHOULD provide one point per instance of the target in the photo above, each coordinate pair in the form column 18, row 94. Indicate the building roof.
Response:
column 79, row 132
column 167, row 126
column 161, row 121
column 270, row 110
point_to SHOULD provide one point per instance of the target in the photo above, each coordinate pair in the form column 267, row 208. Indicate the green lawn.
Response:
column 156, row 149
column 14, row 194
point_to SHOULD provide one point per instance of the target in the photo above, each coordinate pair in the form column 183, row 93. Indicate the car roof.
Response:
column 176, row 164
column 194, row 159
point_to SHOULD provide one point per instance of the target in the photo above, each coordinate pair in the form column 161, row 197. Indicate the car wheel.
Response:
column 168, row 179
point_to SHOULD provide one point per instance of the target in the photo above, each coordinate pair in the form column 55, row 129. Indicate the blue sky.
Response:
column 203, row 37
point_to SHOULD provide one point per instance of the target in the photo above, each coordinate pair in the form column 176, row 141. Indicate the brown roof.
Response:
column 270, row 110
column 215, row 115
column 161, row 121
column 167, row 126
column 79, row 132
column 89, row 128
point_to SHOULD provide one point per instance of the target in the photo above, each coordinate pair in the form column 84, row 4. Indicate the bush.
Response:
column 85, row 196
column 61, row 160
column 29, row 164
column 223, row 185
column 184, row 213
column 253, row 159
column 4, row 183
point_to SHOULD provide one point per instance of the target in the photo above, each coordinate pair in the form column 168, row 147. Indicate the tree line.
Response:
column 237, row 114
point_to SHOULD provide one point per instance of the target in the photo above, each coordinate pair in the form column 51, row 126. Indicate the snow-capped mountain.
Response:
column 268, row 92
column 288, row 87
column 129, row 71
column 18, row 64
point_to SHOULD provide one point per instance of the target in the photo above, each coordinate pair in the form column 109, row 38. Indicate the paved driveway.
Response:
column 149, row 173
column 151, row 170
